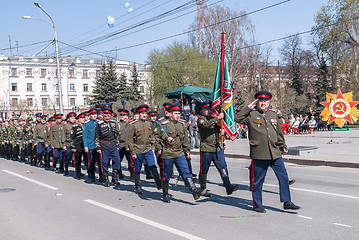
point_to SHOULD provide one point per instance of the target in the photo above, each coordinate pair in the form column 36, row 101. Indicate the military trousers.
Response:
column 144, row 158
column 181, row 165
column 16, row 151
column 58, row 157
column 259, row 171
column 106, row 155
column 67, row 155
column 206, row 158
column 93, row 157
column 124, row 153
column 40, row 150
column 78, row 156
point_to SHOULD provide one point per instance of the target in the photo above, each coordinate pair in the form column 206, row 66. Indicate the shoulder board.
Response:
column 272, row 110
column 200, row 117
column 86, row 121
column 165, row 122
column 64, row 123
column 182, row 121
column 100, row 122
column 74, row 125
column 161, row 119
column 133, row 121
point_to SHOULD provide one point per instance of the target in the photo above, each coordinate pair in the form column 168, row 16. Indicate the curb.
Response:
column 308, row 162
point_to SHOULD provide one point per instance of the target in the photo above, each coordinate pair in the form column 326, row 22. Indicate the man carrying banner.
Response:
column 211, row 149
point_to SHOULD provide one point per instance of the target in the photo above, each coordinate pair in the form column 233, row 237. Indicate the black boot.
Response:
column 120, row 175
column 66, row 170
column 115, row 177
column 165, row 196
column 78, row 172
column 190, row 169
column 148, row 172
column 230, row 188
column 106, row 182
column 155, row 175
column 192, row 187
column 203, row 181
column 137, row 183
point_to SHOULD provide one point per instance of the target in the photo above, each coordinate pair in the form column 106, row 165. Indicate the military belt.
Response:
column 104, row 141
column 174, row 147
column 211, row 141
column 143, row 143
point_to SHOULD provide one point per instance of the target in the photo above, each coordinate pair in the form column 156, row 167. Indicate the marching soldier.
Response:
column 88, row 136
column 106, row 142
column 156, row 129
column 2, row 140
column 5, row 130
column 267, row 145
column 174, row 138
column 211, row 148
column 124, row 150
column 71, row 119
column 141, row 142
column 28, row 133
column 77, row 144
column 16, row 139
column 57, row 143
column 11, row 132
column 40, row 133
column 49, row 150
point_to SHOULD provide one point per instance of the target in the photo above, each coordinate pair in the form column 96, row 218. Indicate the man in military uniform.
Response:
column 267, row 145
column 71, row 119
column 28, row 140
column 87, row 116
column 40, row 132
column 11, row 133
column 174, row 138
column 77, row 144
column 16, row 139
column 106, row 142
column 2, row 142
column 49, row 150
column 124, row 150
column 57, row 143
column 211, row 148
column 141, row 141
column 157, row 129
column 88, row 136
column 5, row 130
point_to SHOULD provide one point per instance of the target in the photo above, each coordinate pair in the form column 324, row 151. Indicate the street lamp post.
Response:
column 56, row 52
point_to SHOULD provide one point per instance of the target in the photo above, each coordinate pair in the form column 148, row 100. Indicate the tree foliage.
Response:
column 106, row 87
column 177, row 65
column 135, row 93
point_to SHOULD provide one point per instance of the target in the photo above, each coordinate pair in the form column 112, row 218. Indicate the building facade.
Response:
column 28, row 84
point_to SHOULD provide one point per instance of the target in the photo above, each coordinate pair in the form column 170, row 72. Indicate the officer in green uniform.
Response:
column 211, row 148
column 141, row 142
column 174, row 137
column 28, row 141
column 57, row 142
column 123, row 145
column 2, row 143
column 267, row 145
column 71, row 116
column 40, row 134
column 11, row 132
column 16, row 135
column 5, row 130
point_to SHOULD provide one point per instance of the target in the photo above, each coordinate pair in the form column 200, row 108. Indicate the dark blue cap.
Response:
column 107, row 105
column 263, row 95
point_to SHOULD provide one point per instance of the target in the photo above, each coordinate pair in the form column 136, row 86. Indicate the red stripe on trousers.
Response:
column 252, row 177
column 200, row 157
column 101, row 160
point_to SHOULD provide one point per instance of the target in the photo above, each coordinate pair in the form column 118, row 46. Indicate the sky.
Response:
column 79, row 20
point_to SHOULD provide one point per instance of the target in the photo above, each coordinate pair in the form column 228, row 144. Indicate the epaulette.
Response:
column 200, row 117
column 75, row 125
column 133, row 121
column 272, row 110
column 161, row 119
column 165, row 122
column 87, row 121
column 182, row 121
column 64, row 123
column 100, row 122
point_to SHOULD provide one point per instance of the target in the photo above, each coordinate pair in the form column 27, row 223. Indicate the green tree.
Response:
column 322, row 85
column 123, row 88
column 238, row 100
column 135, row 93
column 177, row 65
column 106, row 86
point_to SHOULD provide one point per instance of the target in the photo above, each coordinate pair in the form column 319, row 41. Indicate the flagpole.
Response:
column 222, row 78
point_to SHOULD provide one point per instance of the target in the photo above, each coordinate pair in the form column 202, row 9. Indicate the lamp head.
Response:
column 37, row 4
column 26, row 17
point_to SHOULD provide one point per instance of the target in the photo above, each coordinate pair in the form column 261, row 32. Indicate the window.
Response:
column 57, row 102
column 98, row 73
column 86, row 87
column 57, row 87
column 29, row 102
column 85, row 101
column 28, row 72
column 29, row 87
column 14, row 87
column 44, row 102
column 14, row 101
column 85, row 74
column 43, row 87
column 13, row 72
column 72, row 87
column 71, row 73
column 43, row 72
column 142, row 76
column 142, row 89
column 72, row 101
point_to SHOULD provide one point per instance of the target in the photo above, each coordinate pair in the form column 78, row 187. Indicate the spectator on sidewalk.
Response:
column 304, row 125
column 312, row 123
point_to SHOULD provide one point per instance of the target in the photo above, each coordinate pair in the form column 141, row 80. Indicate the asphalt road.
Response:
column 40, row 204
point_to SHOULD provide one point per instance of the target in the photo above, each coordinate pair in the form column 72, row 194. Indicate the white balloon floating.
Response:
column 127, row 5
column 129, row 10
column 110, row 21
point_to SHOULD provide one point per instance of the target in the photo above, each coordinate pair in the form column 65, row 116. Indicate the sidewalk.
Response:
column 342, row 152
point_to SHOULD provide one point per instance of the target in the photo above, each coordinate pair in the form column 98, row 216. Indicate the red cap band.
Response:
column 263, row 96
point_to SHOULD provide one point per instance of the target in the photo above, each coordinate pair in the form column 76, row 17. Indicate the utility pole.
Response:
column 280, row 95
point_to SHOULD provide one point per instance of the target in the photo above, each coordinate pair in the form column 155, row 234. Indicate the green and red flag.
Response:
column 223, row 97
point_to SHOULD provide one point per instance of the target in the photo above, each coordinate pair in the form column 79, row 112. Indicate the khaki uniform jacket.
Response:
column 180, row 145
column 67, row 128
column 141, row 137
column 40, row 133
column 123, row 126
column 209, row 134
column 57, row 136
column 265, row 135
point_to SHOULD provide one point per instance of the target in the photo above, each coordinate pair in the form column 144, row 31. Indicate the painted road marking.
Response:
column 31, row 180
column 301, row 216
column 144, row 220
column 342, row 225
column 312, row 191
